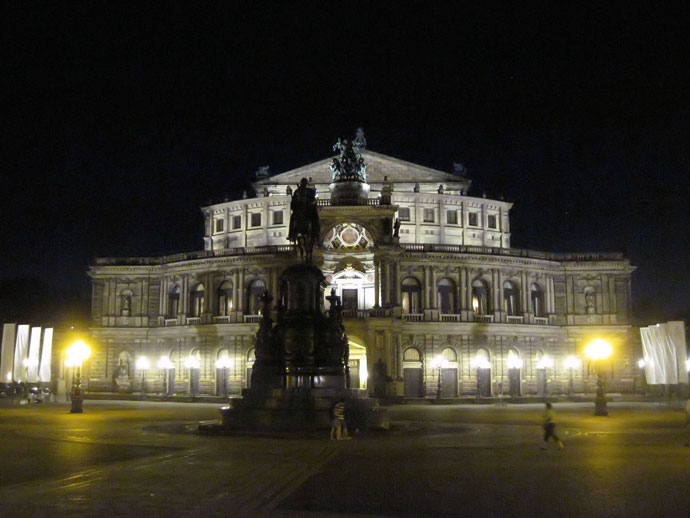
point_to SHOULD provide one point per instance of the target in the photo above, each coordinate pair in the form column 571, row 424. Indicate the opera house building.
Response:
column 435, row 300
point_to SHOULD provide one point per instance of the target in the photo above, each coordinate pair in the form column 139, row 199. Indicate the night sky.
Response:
column 121, row 121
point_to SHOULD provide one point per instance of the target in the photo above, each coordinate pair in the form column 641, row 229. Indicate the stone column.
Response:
column 462, row 288
column 432, row 287
column 425, row 287
column 235, row 290
column 397, row 282
column 275, row 272
column 387, row 292
column 377, row 284
column 241, row 288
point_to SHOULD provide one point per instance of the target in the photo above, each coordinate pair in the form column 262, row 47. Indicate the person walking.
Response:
column 549, row 426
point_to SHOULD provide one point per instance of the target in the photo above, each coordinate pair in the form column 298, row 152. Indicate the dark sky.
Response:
column 121, row 120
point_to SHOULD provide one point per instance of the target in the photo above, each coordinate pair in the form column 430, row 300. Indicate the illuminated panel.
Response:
column 34, row 354
column 46, row 355
column 21, row 352
column 9, row 335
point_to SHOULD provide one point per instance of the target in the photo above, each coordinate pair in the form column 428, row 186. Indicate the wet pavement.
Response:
column 144, row 459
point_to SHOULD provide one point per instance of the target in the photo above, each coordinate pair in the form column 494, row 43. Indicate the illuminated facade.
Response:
column 428, row 280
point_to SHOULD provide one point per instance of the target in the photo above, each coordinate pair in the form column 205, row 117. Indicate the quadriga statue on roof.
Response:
column 304, row 222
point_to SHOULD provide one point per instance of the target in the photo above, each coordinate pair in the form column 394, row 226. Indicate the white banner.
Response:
column 34, row 355
column 21, row 352
column 46, row 355
column 9, row 337
column 663, row 346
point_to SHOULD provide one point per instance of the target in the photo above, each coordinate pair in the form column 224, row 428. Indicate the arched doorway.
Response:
column 251, row 358
column 413, row 374
column 482, row 363
column 514, row 369
column 449, row 373
column 223, row 364
column 193, row 365
column 358, row 365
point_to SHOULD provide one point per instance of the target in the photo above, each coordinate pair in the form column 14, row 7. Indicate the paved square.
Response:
column 143, row 459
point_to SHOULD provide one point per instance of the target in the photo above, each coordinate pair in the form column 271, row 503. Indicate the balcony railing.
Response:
column 252, row 319
column 409, row 247
column 170, row 322
column 513, row 319
column 193, row 321
column 413, row 317
column 449, row 317
column 511, row 252
column 485, row 319
column 541, row 320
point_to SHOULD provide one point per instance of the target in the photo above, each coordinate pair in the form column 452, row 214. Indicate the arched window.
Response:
column 481, row 359
column 411, row 295
column 225, row 306
column 412, row 354
column 126, row 303
column 174, row 301
column 449, row 354
column 511, row 296
column 446, row 296
column 590, row 300
column 536, row 296
column 480, row 297
column 197, row 301
column 514, row 361
column 254, row 291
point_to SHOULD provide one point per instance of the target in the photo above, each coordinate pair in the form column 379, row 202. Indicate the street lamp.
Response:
column 596, row 351
column 142, row 364
column 76, row 354
column 224, row 363
column 571, row 363
column 439, row 362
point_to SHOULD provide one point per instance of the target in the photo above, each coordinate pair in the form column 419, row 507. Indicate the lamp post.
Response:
column 76, row 354
column 224, row 363
column 599, row 350
column 143, row 364
column 439, row 362
column 571, row 363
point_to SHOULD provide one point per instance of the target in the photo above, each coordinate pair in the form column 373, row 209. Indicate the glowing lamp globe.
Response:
column 598, row 349
column 77, row 353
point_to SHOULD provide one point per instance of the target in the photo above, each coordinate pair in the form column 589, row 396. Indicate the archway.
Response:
column 359, row 373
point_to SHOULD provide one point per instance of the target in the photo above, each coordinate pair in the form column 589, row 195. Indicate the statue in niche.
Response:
column 123, row 368
column 126, row 305
column 304, row 222
column 396, row 228
column 590, row 301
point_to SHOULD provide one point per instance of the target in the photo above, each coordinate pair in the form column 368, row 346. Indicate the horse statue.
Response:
column 304, row 222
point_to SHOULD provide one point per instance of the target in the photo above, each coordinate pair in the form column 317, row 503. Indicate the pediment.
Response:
column 378, row 166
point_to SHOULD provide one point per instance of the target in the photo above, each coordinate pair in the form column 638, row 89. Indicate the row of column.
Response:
column 387, row 286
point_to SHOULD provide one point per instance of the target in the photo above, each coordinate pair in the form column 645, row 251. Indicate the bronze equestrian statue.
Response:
column 304, row 222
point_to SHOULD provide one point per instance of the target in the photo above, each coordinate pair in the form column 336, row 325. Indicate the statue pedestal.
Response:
column 302, row 410
column 123, row 384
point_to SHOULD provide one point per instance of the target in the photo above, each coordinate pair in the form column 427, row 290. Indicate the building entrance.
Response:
column 358, row 365
column 350, row 299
